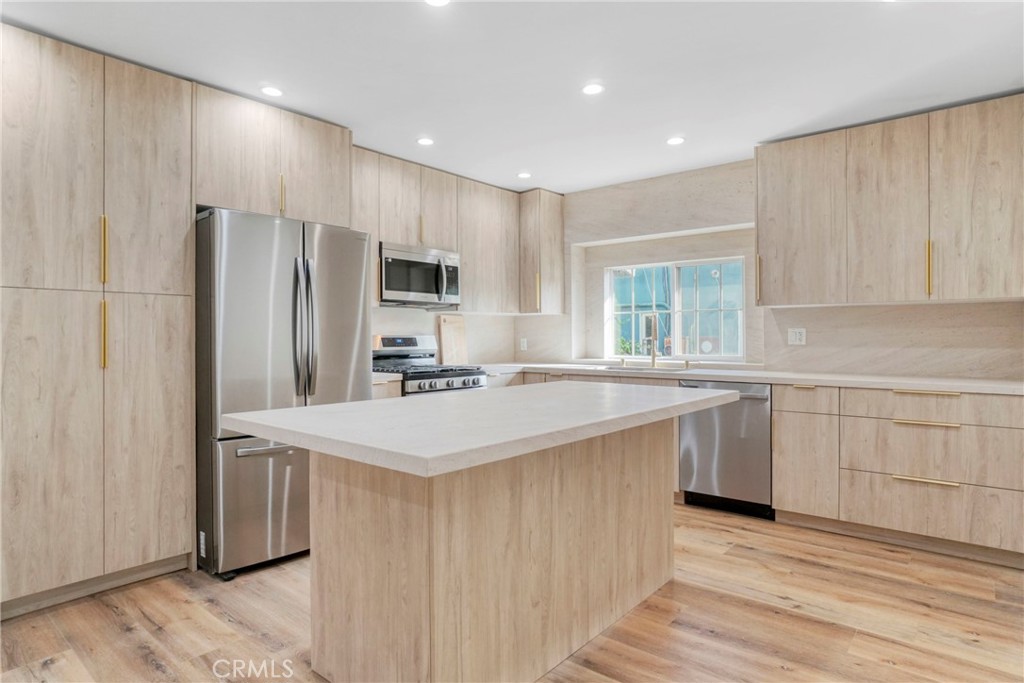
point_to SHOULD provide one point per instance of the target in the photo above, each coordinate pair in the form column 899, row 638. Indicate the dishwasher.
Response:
column 725, row 453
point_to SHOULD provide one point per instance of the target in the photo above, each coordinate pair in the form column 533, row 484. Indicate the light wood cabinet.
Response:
column 366, row 210
column 533, row 378
column 237, row 152
column 387, row 389
column 439, row 207
column 496, row 380
column 887, row 211
column 804, row 398
column 805, row 463
column 541, row 254
column 801, row 220
column 147, row 195
column 977, row 199
column 52, row 163
column 52, row 438
column 316, row 164
column 489, row 247
column 934, row 406
column 400, row 213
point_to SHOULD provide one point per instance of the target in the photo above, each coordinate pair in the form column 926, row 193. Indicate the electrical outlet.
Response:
column 797, row 336
column 522, row 343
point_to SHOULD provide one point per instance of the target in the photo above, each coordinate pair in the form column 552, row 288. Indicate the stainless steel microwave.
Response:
column 418, row 277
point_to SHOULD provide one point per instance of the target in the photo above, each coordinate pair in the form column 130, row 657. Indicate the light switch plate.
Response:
column 797, row 336
column 522, row 343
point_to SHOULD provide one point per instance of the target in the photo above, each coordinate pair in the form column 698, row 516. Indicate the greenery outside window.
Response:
column 698, row 306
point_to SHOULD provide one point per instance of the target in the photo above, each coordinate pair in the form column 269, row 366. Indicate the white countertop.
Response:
column 454, row 430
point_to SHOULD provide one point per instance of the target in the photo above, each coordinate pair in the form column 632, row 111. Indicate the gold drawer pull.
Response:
column 925, row 423
column 805, row 386
column 377, row 384
column 922, row 392
column 952, row 484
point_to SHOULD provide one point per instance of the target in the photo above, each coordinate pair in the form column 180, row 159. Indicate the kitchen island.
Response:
column 482, row 535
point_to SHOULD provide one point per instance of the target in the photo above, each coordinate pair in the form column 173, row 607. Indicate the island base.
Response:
column 493, row 573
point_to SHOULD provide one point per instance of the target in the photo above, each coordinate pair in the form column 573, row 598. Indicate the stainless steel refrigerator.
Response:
column 281, row 321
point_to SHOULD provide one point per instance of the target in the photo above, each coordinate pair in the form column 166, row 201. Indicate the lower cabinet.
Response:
column 496, row 380
column 386, row 389
column 805, row 463
column 98, row 464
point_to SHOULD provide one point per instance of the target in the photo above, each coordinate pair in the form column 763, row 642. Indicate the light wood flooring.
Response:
column 751, row 601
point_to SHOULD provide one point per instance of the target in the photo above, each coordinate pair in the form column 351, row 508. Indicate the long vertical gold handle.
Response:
column 757, row 278
column 103, row 333
column 421, row 230
column 104, row 248
column 281, row 193
column 928, row 267
column 538, row 291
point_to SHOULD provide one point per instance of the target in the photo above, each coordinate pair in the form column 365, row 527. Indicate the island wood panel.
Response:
column 986, row 456
column 316, row 161
column 399, row 201
column 439, row 192
column 489, row 248
column 978, row 409
column 805, row 463
column 149, row 430
column 147, row 195
column 380, row 389
column 366, row 210
column 805, row 399
column 52, row 163
column 887, row 211
column 969, row 514
column 52, row 439
column 977, row 199
column 801, row 220
column 237, row 152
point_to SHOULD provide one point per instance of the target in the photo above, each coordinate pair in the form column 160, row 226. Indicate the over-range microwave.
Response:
column 418, row 276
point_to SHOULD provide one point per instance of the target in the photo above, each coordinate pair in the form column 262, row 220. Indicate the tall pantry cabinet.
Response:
column 96, row 314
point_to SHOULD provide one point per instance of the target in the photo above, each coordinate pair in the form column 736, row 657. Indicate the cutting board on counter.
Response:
column 451, row 333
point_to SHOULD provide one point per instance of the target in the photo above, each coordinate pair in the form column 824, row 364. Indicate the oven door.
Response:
column 414, row 276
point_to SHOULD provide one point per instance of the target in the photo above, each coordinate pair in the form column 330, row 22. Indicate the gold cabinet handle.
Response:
column 924, row 392
column 951, row 484
column 538, row 291
column 104, row 247
column 925, row 423
column 103, row 333
column 421, row 229
column 928, row 267
column 757, row 278
column 377, row 384
column 281, row 193
column 805, row 386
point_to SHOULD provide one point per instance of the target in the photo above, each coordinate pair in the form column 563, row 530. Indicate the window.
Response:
column 698, row 306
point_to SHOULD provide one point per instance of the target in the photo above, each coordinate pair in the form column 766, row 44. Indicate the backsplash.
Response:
column 979, row 340
column 489, row 338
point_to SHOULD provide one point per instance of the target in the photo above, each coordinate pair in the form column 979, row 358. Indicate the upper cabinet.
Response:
column 801, row 220
column 489, row 247
column 927, row 207
column 540, row 252
column 254, row 157
column 977, row 200
column 52, row 163
column 366, row 208
column 887, row 211
column 418, row 205
column 439, row 207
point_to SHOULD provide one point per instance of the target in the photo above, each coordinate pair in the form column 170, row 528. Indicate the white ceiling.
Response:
column 497, row 84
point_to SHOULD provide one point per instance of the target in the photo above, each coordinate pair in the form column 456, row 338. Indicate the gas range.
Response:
column 414, row 358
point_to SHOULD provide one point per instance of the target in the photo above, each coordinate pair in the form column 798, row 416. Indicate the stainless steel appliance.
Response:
column 281, row 320
column 414, row 357
column 725, row 453
column 418, row 277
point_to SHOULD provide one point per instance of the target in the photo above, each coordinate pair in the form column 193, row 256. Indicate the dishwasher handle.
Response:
column 749, row 397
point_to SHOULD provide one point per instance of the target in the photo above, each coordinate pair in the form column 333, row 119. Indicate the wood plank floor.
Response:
column 751, row 601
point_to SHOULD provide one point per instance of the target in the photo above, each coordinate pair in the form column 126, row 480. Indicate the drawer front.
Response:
column 976, row 409
column 969, row 514
column 805, row 398
column 533, row 377
column 985, row 456
column 386, row 389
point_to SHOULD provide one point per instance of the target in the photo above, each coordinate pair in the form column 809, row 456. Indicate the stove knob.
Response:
column 467, row 382
column 433, row 384
column 422, row 386
column 450, row 383
column 476, row 381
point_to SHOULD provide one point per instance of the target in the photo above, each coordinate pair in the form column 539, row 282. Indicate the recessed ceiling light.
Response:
column 426, row 142
column 593, row 89
column 524, row 175
column 675, row 140
column 438, row 3
column 271, row 91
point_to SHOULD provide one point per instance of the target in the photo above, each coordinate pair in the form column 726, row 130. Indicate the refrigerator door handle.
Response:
column 299, row 327
column 314, row 327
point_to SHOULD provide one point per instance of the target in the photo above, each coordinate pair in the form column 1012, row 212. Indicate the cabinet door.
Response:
column 238, row 153
column 52, row 438
column 147, row 163
column 540, row 252
column 805, row 463
column 399, row 201
column 977, row 199
column 489, row 246
column 52, row 163
column 149, row 426
column 887, row 211
column 316, row 160
column 366, row 210
column 801, row 220
column 439, row 206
